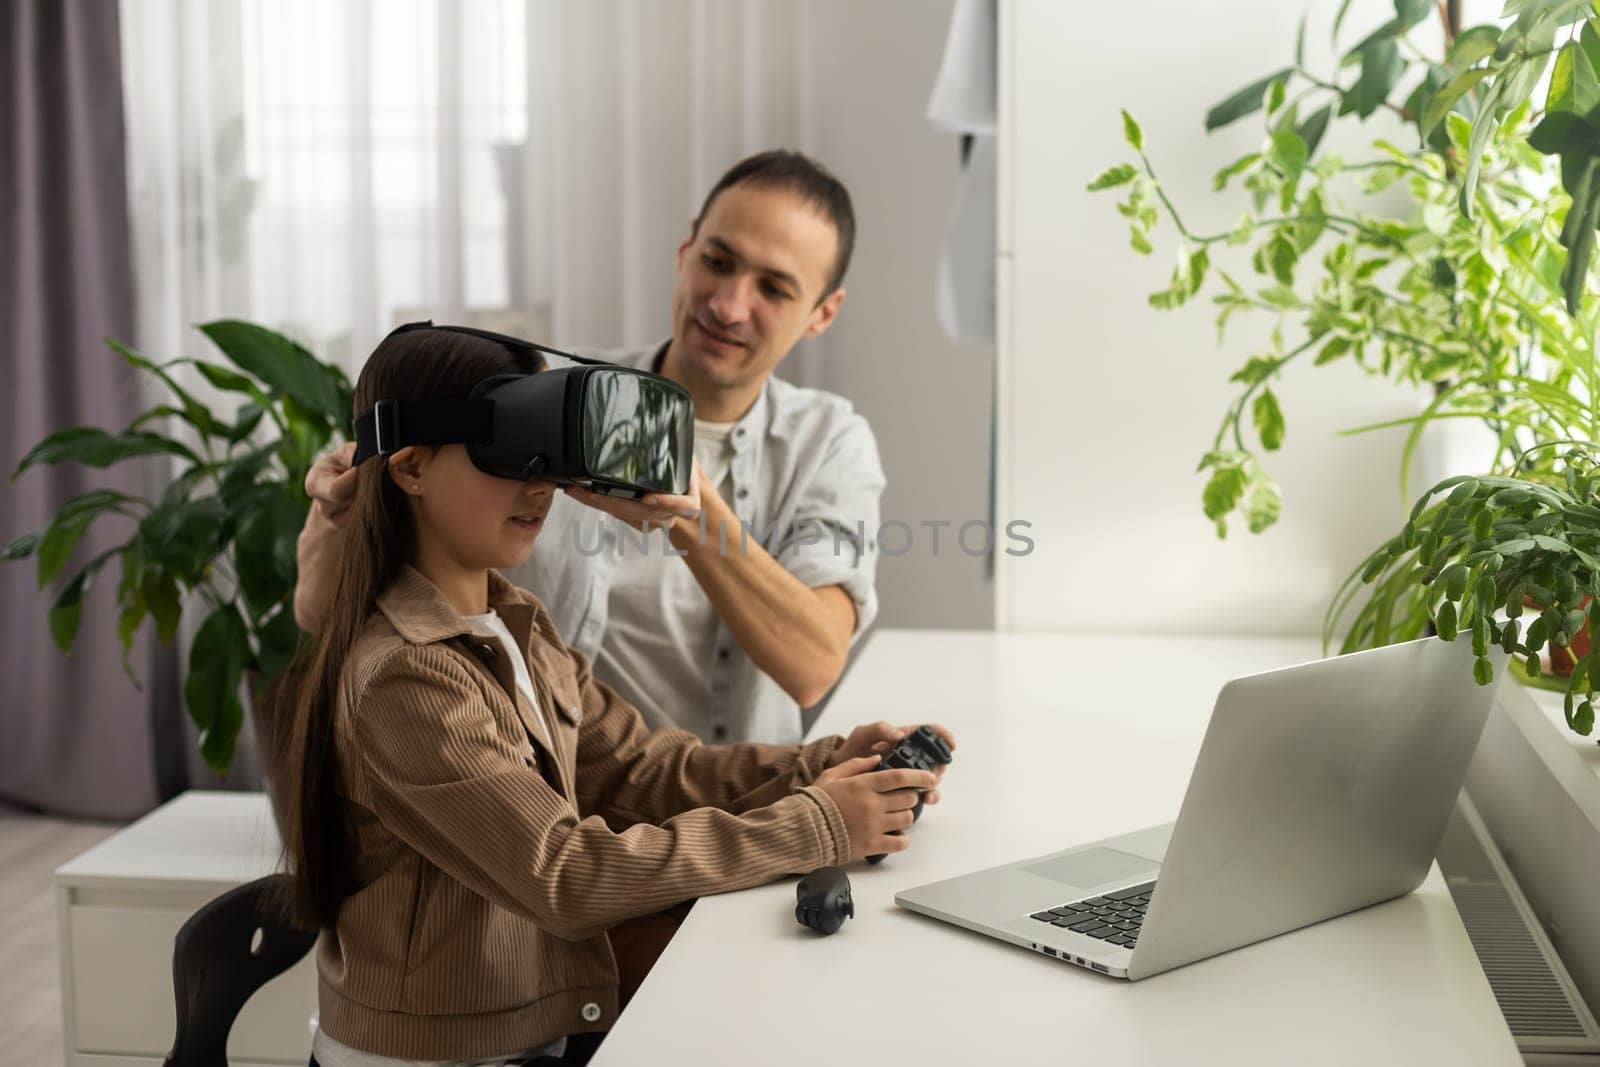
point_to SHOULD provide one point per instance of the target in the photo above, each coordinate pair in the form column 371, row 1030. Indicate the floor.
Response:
column 31, row 847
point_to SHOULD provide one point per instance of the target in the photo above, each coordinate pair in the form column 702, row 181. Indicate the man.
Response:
column 720, row 634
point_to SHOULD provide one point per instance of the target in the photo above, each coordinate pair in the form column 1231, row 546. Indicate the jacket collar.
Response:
column 419, row 612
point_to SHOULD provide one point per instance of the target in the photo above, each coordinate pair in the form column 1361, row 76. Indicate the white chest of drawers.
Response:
column 120, row 904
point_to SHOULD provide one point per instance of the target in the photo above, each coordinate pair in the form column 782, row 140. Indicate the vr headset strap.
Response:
column 393, row 424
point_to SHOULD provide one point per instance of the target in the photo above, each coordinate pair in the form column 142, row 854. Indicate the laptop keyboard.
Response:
column 1114, row 918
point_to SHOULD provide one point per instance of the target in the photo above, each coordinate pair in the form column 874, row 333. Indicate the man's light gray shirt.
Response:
column 806, row 482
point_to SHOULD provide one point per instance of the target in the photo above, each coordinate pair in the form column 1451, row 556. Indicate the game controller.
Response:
column 822, row 900
column 920, row 750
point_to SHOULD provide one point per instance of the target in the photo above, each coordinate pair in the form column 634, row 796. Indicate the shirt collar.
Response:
column 419, row 612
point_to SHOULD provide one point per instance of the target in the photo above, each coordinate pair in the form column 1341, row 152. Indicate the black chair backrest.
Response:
column 227, row 950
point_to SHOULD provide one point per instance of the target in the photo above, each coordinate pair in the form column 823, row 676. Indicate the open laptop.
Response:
column 1319, row 789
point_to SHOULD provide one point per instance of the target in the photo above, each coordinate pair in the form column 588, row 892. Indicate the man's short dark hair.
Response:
column 781, row 168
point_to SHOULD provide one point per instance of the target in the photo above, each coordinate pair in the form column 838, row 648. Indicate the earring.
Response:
column 416, row 486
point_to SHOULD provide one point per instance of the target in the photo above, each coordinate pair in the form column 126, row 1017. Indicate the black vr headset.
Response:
column 614, row 430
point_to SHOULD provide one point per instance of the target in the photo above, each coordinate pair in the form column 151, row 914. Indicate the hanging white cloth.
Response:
column 964, row 101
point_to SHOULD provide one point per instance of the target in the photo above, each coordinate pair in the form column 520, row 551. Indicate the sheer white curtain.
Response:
column 332, row 167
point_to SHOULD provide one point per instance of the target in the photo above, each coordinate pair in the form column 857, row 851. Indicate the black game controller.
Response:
column 920, row 750
column 822, row 900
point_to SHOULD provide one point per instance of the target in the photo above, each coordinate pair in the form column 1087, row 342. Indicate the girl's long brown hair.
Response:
column 376, row 542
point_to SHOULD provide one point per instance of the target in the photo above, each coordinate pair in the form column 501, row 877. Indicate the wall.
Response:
column 1107, row 404
column 928, row 398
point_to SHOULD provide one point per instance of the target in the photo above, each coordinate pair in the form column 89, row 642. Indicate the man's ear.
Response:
column 823, row 314
column 407, row 467
column 694, row 226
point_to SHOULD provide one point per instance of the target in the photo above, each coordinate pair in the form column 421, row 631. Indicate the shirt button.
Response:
column 722, row 653
column 577, row 714
column 591, row 1012
column 739, row 432
column 719, row 732
column 743, row 493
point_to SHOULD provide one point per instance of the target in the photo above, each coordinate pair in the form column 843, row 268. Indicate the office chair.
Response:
column 227, row 950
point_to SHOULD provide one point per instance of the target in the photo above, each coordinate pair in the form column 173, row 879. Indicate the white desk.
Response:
column 1062, row 740
column 120, row 904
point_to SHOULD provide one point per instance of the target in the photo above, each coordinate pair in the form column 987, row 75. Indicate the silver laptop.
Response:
column 1319, row 789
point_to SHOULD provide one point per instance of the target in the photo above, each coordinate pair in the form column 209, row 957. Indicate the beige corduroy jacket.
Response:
column 490, row 863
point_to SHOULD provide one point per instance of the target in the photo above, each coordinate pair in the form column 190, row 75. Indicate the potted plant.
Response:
column 221, row 537
column 1481, row 292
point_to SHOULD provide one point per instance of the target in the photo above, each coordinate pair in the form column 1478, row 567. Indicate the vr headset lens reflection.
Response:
column 615, row 430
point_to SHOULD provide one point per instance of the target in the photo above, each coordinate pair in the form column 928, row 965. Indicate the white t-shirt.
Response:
column 662, row 630
column 492, row 625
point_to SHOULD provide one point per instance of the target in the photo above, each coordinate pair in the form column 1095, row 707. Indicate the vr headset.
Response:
column 614, row 430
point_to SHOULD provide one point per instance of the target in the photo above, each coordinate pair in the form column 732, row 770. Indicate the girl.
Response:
column 467, row 812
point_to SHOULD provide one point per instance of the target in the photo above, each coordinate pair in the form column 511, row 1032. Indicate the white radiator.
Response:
column 1542, row 1007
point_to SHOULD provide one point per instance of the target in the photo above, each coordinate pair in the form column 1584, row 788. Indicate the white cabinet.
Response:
column 120, row 904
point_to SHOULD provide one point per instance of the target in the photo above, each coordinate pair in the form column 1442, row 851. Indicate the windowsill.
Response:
column 1573, row 760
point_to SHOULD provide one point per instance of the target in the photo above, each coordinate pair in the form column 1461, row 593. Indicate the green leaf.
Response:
column 1332, row 351
column 1220, row 181
column 1268, row 420
column 1139, row 242
column 1445, row 99
column 67, row 611
column 1583, row 718
column 21, row 548
column 184, row 536
column 97, row 448
column 216, row 665
column 1132, row 133
column 266, row 547
column 227, row 380
column 192, row 411
column 280, row 639
column 1445, row 621
column 284, row 365
column 248, row 419
column 1482, row 671
column 1410, row 12
column 1573, row 86
column 1381, row 67
column 1244, row 102
column 1338, row 20
column 1275, row 94
column 1221, row 495
column 1313, row 220
column 1483, row 125
column 1111, row 177
column 160, row 590
column 1262, row 505
column 1472, row 45
column 1255, row 370
column 67, row 527
column 1313, row 128
column 1288, row 154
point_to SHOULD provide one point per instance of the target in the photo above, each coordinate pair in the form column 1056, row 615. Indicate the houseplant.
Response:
column 1482, row 291
column 220, row 538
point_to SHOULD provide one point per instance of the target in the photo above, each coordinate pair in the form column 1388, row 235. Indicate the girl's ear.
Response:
column 407, row 467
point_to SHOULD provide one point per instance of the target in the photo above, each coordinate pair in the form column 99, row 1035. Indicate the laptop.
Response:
column 1319, row 789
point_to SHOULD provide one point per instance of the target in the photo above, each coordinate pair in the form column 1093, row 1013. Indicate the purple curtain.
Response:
column 76, row 736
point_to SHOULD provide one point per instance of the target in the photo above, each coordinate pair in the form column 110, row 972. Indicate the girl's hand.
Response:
column 878, row 738
column 874, row 805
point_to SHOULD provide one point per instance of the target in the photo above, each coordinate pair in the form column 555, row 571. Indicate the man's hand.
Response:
column 878, row 738
column 658, row 509
column 331, row 481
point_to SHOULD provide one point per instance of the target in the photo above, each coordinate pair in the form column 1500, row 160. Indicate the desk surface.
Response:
column 1063, row 739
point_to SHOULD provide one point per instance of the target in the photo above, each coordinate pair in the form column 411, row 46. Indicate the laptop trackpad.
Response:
column 1092, row 867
